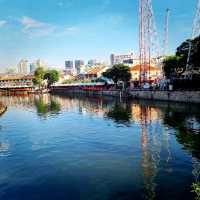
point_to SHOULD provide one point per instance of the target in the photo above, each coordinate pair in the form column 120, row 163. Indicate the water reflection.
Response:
column 46, row 105
column 187, row 128
column 4, row 148
column 184, row 119
column 155, row 122
column 147, row 117
column 186, row 122
column 24, row 102
column 120, row 113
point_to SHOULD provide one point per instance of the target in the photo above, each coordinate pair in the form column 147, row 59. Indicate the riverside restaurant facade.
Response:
column 16, row 84
column 9, row 81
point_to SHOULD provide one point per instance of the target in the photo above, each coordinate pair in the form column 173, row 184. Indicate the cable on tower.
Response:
column 195, row 33
column 166, row 33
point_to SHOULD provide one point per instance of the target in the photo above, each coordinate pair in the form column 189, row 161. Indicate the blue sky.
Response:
column 57, row 30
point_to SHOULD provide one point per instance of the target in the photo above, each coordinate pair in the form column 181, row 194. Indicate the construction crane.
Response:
column 196, row 22
column 166, row 33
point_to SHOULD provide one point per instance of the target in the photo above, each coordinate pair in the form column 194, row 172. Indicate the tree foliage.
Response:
column 172, row 65
column 118, row 72
column 183, row 51
column 52, row 76
column 39, row 76
column 169, row 65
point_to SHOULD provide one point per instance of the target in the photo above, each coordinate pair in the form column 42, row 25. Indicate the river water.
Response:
column 75, row 148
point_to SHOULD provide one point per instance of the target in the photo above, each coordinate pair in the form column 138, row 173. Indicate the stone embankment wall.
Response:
column 112, row 93
column 176, row 96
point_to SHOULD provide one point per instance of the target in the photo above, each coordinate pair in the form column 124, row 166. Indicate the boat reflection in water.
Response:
column 3, row 108
column 166, row 133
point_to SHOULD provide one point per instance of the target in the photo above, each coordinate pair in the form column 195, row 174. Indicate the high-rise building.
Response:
column 33, row 67
column 92, row 62
column 78, row 64
column 69, row 65
column 122, row 59
column 112, row 59
column 41, row 63
column 23, row 67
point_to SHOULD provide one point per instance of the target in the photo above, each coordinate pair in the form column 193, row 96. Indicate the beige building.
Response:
column 95, row 72
column 152, row 73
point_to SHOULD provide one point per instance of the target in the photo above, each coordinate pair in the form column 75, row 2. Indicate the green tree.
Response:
column 169, row 65
column 118, row 72
column 177, row 64
column 183, row 50
column 52, row 76
column 174, row 65
column 39, row 76
column 196, row 53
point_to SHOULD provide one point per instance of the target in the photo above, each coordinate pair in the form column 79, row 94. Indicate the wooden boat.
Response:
column 3, row 109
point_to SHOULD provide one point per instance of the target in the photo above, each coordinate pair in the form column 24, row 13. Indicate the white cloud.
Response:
column 2, row 23
column 71, row 30
column 36, row 28
column 30, row 23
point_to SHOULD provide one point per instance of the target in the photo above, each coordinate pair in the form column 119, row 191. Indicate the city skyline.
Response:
column 69, row 30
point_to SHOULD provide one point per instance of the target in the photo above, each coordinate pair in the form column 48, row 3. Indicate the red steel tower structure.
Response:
column 148, row 39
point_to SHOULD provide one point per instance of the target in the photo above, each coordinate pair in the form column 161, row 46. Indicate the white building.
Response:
column 23, row 67
column 41, row 63
column 127, row 59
